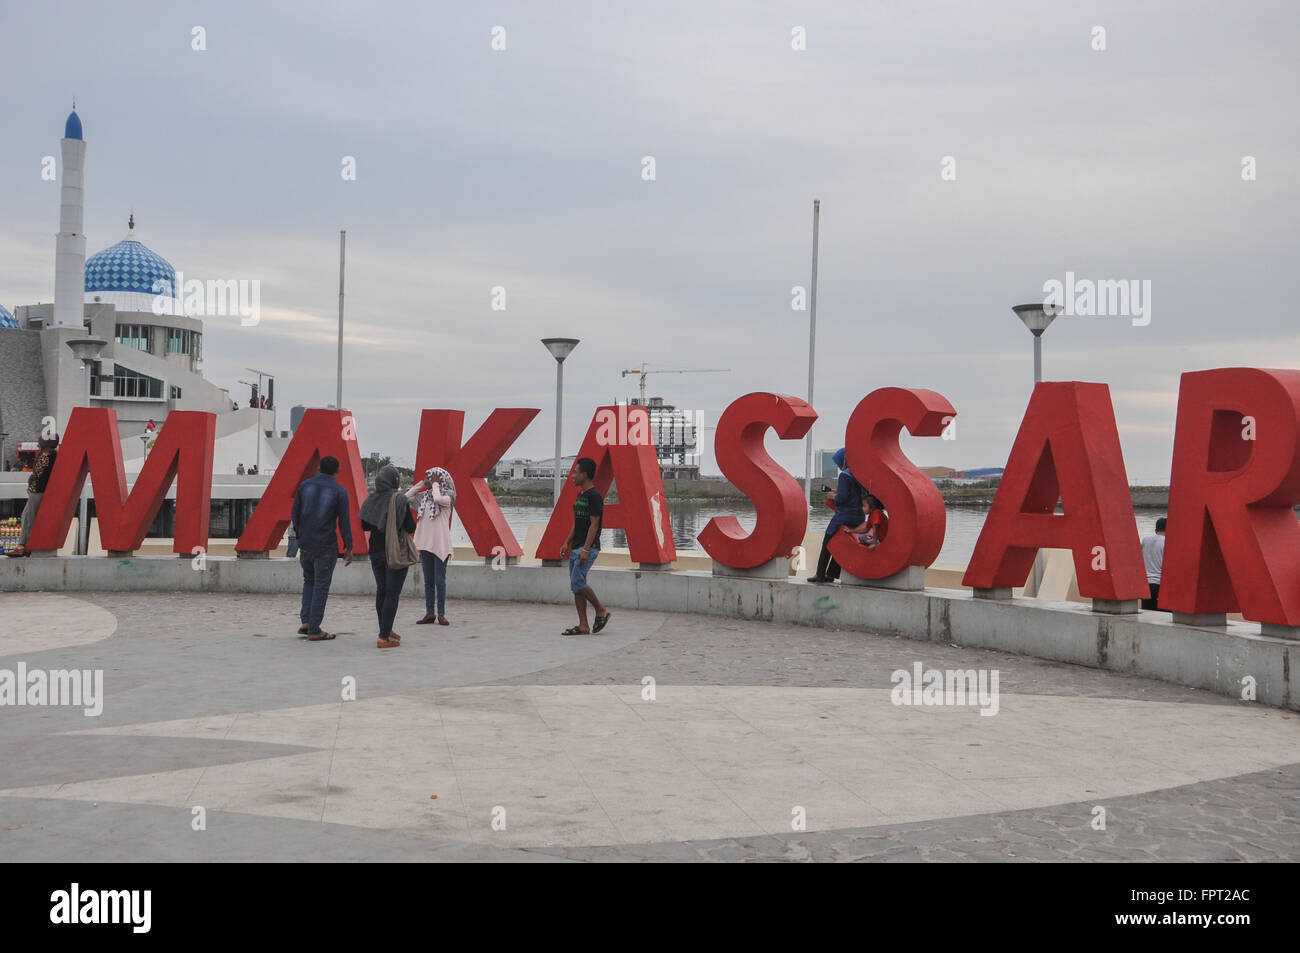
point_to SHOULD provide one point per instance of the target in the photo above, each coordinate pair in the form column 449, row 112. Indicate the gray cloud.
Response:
column 522, row 169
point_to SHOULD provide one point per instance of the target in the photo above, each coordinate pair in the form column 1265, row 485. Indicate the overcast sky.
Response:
column 522, row 168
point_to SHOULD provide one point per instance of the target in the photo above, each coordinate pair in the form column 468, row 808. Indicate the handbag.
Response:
column 399, row 547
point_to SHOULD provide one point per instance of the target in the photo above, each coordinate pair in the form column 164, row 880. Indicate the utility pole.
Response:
column 812, row 349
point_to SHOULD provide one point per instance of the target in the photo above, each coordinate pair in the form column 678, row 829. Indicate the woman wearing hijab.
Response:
column 847, row 504
column 436, row 493
column 388, row 579
column 49, row 452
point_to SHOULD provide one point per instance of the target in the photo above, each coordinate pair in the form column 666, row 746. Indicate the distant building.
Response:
column 523, row 468
column 964, row 477
column 676, row 438
column 824, row 464
column 151, row 363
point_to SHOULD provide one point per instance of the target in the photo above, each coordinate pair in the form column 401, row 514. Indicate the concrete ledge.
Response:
column 1150, row 644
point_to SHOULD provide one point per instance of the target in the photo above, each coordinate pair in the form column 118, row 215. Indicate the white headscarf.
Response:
column 440, row 478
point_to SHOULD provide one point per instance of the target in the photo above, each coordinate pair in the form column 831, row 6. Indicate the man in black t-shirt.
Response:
column 583, row 546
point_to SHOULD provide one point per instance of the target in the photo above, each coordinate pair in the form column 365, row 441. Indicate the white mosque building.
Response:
column 150, row 365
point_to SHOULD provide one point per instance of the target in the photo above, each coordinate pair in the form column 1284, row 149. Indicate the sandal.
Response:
column 320, row 637
column 575, row 631
column 601, row 622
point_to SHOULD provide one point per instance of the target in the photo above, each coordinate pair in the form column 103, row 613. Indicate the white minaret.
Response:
column 70, row 250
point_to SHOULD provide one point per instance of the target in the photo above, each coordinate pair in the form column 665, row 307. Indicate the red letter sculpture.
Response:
column 1067, row 448
column 322, row 433
column 439, row 446
column 916, row 514
column 182, row 452
column 1233, row 540
column 619, row 441
column 782, row 511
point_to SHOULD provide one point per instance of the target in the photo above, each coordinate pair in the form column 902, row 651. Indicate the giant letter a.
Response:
column 322, row 433
column 1067, row 447
column 619, row 441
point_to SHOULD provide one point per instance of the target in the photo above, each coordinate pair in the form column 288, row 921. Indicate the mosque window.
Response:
column 179, row 341
column 134, row 335
column 129, row 383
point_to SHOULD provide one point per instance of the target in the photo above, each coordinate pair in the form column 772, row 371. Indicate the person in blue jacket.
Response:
column 321, row 513
column 847, row 503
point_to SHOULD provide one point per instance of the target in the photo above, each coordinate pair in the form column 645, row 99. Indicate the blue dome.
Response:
column 72, row 129
column 7, row 320
column 129, row 266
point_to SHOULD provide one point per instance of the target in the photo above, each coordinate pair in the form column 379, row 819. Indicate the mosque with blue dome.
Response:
column 150, row 363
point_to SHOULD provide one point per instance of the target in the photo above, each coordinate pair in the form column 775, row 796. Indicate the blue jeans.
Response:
column 578, row 570
column 388, row 589
column 317, row 571
column 435, row 582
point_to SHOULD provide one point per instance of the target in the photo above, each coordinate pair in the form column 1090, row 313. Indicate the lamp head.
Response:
column 560, row 348
column 87, row 349
column 1037, row 316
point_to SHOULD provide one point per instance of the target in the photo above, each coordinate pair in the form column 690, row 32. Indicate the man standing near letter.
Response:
column 583, row 546
column 1153, row 554
column 319, row 506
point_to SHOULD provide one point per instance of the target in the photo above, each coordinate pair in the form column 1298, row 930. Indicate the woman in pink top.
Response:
column 437, row 494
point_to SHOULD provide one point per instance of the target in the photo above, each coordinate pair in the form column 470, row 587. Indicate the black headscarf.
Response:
column 375, row 508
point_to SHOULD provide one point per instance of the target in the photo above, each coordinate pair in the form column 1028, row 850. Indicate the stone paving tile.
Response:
column 672, row 647
column 1209, row 821
column 178, row 656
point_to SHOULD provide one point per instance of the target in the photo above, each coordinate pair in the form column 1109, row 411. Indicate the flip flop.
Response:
column 320, row 637
column 601, row 622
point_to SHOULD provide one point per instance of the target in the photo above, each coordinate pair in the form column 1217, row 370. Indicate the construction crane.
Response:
column 642, row 372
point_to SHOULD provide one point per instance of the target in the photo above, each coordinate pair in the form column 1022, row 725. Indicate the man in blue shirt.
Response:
column 321, row 511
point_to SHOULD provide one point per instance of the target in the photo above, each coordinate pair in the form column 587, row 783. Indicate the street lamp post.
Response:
column 1037, row 317
column 560, row 348
column 338, row 380
column 86, row 350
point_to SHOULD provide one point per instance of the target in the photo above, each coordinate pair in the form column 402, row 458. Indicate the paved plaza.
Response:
column 666, row 737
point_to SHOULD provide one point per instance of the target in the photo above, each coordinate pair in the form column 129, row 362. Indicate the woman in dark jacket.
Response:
column 388, row 580
column 847, row 503
column 49, row 451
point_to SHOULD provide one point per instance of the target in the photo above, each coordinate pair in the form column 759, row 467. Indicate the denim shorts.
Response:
column 578, row 571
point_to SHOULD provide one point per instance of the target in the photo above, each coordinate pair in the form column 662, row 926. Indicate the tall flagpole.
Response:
column 812, row 349
column 338, row 387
